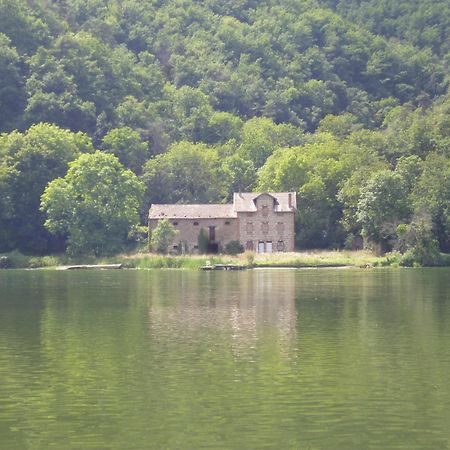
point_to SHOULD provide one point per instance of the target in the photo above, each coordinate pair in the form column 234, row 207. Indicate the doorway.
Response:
column 213, row 248
column 212, row 233
column 261, row 248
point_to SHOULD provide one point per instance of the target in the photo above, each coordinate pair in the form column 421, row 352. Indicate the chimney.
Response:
column 290, row 200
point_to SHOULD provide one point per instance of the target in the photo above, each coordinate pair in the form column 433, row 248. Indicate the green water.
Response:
column 263, row 359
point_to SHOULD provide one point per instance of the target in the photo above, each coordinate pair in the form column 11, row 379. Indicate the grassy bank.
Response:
column 318, row 258
column 293, row 259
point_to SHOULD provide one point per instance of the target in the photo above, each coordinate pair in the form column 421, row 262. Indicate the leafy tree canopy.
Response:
column 94, row 205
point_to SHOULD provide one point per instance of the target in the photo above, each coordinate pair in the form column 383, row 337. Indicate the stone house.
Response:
column 263, row 222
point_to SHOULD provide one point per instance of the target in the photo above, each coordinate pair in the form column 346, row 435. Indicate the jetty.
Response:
column 91, row 266
column 223, row 267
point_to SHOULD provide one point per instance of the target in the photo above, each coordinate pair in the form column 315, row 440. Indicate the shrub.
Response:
column 233, row 248
column 250, row 257
column 203, row 241
column 4, row 262
column 163, row 236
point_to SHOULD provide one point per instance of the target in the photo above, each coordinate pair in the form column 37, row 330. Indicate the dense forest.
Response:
column 107, row 106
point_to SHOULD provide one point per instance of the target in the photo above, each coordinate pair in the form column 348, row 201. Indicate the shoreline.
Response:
column 295, row 260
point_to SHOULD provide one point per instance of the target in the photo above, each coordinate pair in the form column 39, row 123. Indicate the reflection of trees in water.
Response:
column 247, row 307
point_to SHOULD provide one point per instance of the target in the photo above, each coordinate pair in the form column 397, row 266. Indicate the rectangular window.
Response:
column 195, row 224
column 227, row 222
column 249, row 228
column 212, row 233
column 280, row 246
column 174, row 224
column 265, row 227
column 265, row 210
column 249, row 245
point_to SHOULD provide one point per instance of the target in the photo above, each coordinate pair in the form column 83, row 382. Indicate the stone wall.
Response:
column 226, row 230
column 267, row 230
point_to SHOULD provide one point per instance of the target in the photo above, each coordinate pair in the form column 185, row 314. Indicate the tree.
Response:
column 94, row 205
column 261, row 136
column 127, row 145
column 316, row 171
column 12, row 95
column 162, row 236
column 6, row 208
column 202, row 241
column 382, row 206
column 339, row 126
column 240, row 174
column 418, row 242
column 186, row 173
column 431, row 196
column 222, row 127
column 32, row 160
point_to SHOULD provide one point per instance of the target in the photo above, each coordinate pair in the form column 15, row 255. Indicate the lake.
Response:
column 262, row 359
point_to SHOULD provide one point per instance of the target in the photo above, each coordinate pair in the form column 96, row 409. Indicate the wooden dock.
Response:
column 223, row 267
column 92, row 266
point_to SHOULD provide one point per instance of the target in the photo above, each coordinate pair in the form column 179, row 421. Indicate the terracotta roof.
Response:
column 245, row 201
column 208, row 211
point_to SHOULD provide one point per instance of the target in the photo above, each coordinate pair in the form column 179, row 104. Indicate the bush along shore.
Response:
column 301, row 259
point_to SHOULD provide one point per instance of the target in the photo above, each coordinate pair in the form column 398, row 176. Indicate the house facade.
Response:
column 262, row 222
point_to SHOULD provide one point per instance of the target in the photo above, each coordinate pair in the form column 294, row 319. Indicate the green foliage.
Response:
column 31, row 160
column 162, row 236
column 234, row 247
column 95, row 204
column 250, row 257
column 186, row 173
column 127, row 145
column 202, row 241
column 431, row 196
column 261, row 137
column 12, row 93
column 382, row 206
column 420, row 244
column 316, row 171
column 223, row 127
column 203, row 99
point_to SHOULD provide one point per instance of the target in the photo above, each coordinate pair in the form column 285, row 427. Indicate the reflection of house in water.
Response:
column 247, row 307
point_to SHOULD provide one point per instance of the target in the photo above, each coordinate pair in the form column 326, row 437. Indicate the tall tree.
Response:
column 33, row 159
column 95, row 205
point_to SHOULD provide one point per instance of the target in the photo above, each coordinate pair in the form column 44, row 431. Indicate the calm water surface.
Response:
column 264, row 359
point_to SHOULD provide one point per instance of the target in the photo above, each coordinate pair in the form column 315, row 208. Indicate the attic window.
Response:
column 174, row 224
column 265, row 210
column 195, row 224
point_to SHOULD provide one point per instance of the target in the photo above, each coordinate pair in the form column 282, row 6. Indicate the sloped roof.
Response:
column 208, row 211
column 245, row 201
column 242, row 202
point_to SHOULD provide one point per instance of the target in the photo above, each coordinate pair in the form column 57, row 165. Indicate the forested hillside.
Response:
column 345, row 102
